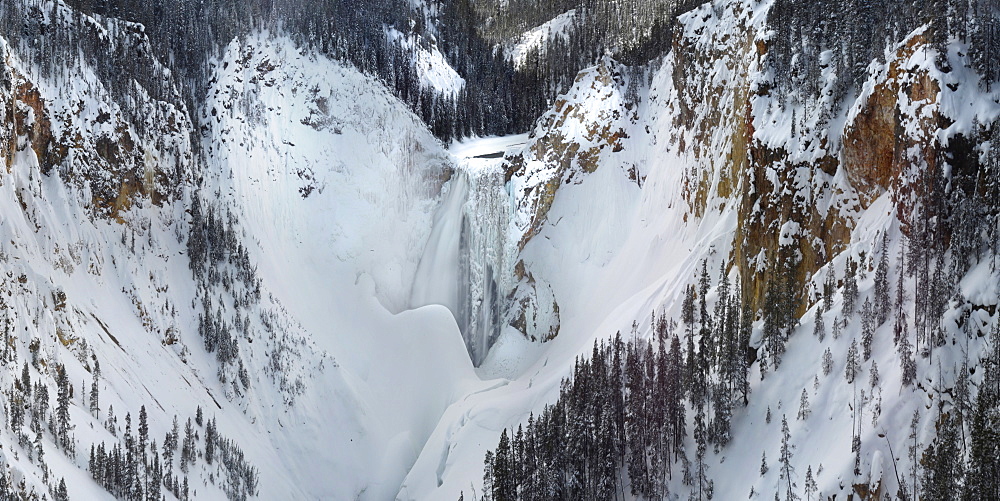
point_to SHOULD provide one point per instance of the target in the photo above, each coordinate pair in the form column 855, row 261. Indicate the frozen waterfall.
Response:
column 466, row 264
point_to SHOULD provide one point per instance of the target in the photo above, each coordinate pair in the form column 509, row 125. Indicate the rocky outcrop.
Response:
column 798, row 191
column 567, row 143
column 116, row 149
column 584, row 127
column 892, row 137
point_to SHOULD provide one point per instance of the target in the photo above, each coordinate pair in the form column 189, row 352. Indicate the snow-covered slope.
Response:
column 333, row 182
column 359, row 311
column 537, row 38
column 433, row 69
column 618, row 204
column 311, row 202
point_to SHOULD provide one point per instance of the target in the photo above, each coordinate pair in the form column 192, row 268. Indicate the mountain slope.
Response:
column 709, row 165
column 275, row 331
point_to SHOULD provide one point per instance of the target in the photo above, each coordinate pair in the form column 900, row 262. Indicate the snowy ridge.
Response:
column 434, row 70
column 537, row 38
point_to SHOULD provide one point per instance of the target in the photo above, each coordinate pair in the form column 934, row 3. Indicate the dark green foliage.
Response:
column 942, row 461
column 623, row 410
column 131, row 469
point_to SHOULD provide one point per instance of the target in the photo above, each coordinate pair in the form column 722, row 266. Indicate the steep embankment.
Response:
column 619, row 200
column 257, row 279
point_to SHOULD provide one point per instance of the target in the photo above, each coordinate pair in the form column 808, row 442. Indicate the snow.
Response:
column 613, row 252
column 334, row 257
column 334, row 183
column 432, row 67
column 380, row 253
column 538, row 37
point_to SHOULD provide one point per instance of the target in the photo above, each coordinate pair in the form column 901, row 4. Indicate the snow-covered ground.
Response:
column 381, row 253
column 614, row 251
column 434, row 71
column 538, row 37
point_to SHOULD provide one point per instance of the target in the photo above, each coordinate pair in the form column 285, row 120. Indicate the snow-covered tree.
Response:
column 803, row 405
column 827, row 362
column 829, row 288
column 787, row 470
column 851, row 368
column 819, row 330
column 850, row 289
column 95, row 395
column 867, row 329
column 908, row 365
column 810, row 487
column 882, row 299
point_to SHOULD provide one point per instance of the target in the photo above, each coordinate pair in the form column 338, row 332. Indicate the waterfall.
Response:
column 466, row 264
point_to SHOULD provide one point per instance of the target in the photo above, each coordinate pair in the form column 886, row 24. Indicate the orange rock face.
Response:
column 877, row 147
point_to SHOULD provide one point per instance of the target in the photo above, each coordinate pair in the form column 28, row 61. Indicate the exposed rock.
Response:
column 776, row 188
column 118, row 150
column 895, row 127
column 567, row 143
column 533, row 308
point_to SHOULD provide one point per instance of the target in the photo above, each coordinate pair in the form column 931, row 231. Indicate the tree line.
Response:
column 627, row 408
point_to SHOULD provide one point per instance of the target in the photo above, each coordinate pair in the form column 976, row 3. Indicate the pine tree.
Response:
column 803, row 406
column 503, row 474
column 827, row 362
column 488, row 483
column 143, row 432
column 95, row 402
column 908, row 364
column 836, row 328
column 26, row 381
column 983, row 479
column 913, row 450
column 701, row 440
column 61, row 494
column 873, row 376
column 155, row 479
column 882, row 300
column 111, row 424
column 763, row 463
column 187, row 446
column 829, row 287
column 811, row 487
column 38, row 447
column 943, row 467
column 210, row 437
column 786, row 460
column 704, row 282
column 851, row 368
column 688, row 311
column 62, row 408
column 850, row 290
column 867, row 329
column 819, row 329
